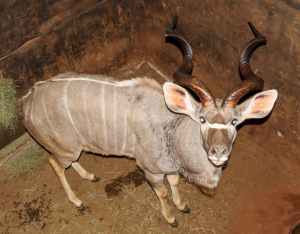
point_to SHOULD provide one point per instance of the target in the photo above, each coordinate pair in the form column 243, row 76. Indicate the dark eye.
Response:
column 202, row 119
column 234, row 121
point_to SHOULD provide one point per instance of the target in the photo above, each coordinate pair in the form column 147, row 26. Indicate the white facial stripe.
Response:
column 218, row 126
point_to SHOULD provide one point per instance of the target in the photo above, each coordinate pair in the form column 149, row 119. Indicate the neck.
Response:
column 186, row 145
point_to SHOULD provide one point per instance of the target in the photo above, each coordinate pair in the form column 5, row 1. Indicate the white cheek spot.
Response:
column 280, row 134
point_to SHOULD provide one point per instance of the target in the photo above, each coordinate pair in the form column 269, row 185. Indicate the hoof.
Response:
column 175, row 224
column 210, row 192
column 81, row 208
column 96, row 179
column 186, row 210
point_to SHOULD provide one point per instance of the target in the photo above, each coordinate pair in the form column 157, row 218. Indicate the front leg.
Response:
column 157, row 183
column 173, row 181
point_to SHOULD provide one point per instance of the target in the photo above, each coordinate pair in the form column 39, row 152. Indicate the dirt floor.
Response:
column 256, row 194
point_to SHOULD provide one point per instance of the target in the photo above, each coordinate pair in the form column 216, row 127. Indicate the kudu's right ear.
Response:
column 179, row 100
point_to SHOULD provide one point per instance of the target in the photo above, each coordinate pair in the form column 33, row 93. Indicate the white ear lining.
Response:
column 174, row 101
column 189, row 103
column 247, row 114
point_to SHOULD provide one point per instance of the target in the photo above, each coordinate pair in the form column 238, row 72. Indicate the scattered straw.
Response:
column 24, row 160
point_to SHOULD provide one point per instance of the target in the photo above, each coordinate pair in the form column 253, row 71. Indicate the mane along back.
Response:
column 106, row 80
column 141, row 81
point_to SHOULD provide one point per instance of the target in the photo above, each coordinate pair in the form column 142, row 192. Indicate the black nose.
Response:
column 218, row 151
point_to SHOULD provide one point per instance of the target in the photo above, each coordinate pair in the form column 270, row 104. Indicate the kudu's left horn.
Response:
column 251, row 81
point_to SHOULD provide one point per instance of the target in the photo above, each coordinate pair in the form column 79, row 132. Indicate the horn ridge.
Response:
column 251, row 81
column 174, row 21
column 197, row 86
column 255, row 32
column 182, row 75
column 187, row 64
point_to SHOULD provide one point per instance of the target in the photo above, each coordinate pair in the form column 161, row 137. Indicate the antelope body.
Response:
column 165, row 129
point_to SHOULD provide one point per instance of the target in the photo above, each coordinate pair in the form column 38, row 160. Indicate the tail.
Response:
column 21, row 103
column 20, row 107
column 24, row 99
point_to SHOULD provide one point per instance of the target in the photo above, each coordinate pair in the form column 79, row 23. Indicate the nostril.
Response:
column 218, row 151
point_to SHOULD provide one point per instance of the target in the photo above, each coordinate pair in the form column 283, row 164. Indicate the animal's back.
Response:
column 68, row 115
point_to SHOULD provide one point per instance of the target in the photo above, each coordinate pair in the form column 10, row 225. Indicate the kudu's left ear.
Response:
column 260, row 105
column 179, row 100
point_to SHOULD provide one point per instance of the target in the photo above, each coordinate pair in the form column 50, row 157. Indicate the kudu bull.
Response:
column 165, row 129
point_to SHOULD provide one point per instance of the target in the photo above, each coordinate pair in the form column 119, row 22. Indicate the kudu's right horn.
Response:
column 182, row 75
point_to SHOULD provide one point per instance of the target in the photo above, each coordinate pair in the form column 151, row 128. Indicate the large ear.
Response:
column 179, row 100
column 260, row 105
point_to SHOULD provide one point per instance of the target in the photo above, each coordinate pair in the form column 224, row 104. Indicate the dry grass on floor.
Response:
column 25, row 159
column 8, row 103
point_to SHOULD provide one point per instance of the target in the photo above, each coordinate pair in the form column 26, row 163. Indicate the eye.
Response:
column 202, row 120
column 234, row 121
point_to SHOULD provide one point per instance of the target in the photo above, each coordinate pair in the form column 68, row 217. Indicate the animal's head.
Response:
column 218, row 118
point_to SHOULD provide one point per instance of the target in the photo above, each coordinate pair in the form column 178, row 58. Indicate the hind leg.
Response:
column 60, row 172
column 83, row 173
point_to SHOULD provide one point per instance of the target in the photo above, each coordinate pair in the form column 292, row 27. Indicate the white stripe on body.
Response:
column 121, row 83
column 87, row 119
column 45, row 109
column 49, row 119
column 133, row 148
column 125, row 123
column 115, row 118
column 87, row 79
column 103, row 115
column 31, row 115
column 48, row 142
column 32, row 104
column 69, row 114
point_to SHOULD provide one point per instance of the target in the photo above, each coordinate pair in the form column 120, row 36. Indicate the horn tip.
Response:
column 174, row 21
column 255, row 32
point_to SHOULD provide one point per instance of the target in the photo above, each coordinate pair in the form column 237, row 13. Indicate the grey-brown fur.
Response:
column 160, row 140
